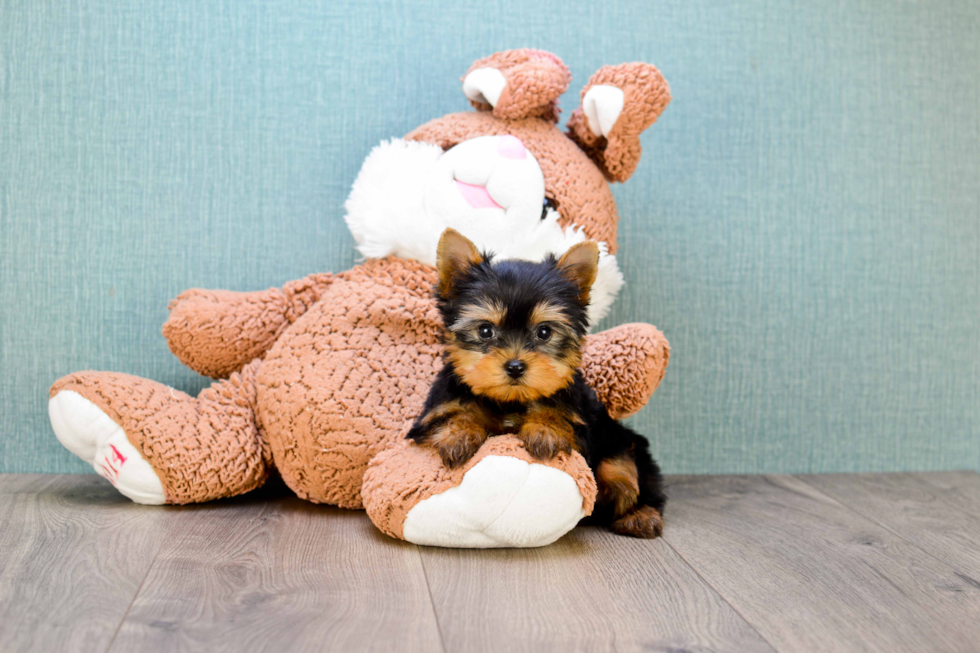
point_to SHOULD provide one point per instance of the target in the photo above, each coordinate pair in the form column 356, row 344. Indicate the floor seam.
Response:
column 428, row 588
column 917, row 476
column 132, row 602
column 720, row 595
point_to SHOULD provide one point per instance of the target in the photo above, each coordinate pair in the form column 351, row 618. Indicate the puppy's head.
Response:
column 514, row 329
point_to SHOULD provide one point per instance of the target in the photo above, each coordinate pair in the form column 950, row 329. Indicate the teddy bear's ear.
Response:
column 516, row 84
column 618, row 103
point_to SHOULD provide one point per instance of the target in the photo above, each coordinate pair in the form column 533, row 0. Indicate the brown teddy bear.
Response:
column 321, row 379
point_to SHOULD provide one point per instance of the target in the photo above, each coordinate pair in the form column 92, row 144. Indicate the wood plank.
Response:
column 281, row 574
column 959, row 489
column 811, row 575
column 913, row 509
column 590, row 591
column 13, row 514
column 73, row 552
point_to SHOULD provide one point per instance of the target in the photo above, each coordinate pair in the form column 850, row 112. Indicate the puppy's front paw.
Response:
column 455, row 442
column 456, row 451
column 542, row 442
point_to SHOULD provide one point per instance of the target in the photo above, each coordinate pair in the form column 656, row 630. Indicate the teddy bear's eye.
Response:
column 548, row 204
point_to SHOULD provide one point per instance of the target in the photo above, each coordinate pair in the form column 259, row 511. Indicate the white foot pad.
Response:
column 94, row 437
column 502, row 502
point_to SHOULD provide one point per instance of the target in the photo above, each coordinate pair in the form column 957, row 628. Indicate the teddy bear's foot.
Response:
column 160, row 445
column 85, row 430
column 502, row 497
column 502, row 502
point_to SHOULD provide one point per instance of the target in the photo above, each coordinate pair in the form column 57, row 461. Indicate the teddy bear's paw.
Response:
column 502, row 501
column 85, row 430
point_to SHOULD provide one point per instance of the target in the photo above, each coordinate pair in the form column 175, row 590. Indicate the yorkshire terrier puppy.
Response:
column 514, row 334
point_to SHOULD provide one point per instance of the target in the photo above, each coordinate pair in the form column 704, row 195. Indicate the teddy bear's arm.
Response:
column 217, row 332
column 625, row 365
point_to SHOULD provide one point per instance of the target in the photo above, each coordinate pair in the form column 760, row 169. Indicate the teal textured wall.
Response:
column 804, row 224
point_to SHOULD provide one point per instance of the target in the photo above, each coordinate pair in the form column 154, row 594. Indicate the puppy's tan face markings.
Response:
column 474, row 315
column 550, row 361
column 547, row 311
column 485, row 373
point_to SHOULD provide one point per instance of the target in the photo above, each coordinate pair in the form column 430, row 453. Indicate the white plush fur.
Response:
column 93, row 436
column 602, row 105
column 502, row 502
column 404, row 198
column 484, row 85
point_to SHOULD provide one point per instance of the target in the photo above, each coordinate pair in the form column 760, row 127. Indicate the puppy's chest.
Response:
column 500, row 422
column 510, row 423
column 562, row 422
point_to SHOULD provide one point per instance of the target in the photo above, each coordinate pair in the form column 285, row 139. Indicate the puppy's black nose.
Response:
column 515, row 369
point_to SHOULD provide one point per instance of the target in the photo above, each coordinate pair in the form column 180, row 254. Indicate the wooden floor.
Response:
column 881, row 562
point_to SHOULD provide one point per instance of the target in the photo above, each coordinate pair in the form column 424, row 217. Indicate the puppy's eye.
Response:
column 543, row 332
column 485, row 332
column 548, row 204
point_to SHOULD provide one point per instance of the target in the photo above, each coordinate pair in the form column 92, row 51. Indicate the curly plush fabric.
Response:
column 646, row 94
column 216, row 332
column 535, row 79
column 348, row 377
column 624, row 365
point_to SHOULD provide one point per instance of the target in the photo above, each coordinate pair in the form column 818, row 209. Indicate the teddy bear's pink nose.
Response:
column 511, row 147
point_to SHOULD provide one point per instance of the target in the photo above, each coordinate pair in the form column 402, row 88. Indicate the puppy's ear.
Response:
column 455, row 255
column 581, row 264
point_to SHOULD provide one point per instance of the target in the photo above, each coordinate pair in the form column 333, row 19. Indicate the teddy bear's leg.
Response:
column 502, row 497
column 159, row 445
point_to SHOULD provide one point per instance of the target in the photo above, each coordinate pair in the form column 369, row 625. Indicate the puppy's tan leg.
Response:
column 458, row 439
column 616, row 480
column 618, row 486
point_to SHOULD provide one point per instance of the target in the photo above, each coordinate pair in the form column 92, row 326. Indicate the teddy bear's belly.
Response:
column 341, row 384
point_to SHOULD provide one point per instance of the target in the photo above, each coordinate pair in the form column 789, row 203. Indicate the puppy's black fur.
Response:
column 514, row 332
